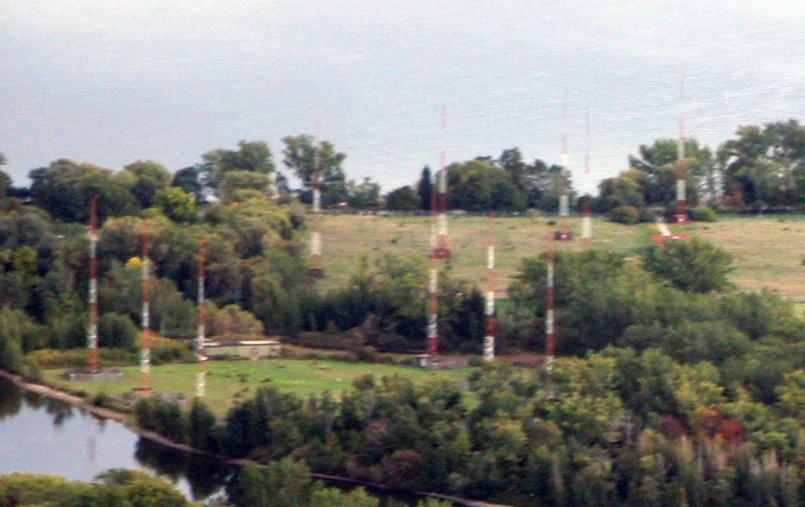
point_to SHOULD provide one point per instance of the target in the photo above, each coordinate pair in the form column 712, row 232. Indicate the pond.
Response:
column 46, row 436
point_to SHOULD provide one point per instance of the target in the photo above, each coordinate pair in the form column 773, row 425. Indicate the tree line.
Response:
column 760, row 168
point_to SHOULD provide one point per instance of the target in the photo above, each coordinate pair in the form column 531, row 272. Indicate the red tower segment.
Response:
column 201, row 354
column 564, row 234
column 442, row 250
column 145, row 337
column 550, row 337
column 92, row 329
column 681, row 214
column 317, row 267
column 586, row 207
column 489, row 338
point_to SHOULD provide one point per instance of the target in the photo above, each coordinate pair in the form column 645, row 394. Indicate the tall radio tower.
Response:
column 92, row 329
column 145, row 336
column 550, row 337
column 586, row 220
column 317, row 269
column 317, row 266
column 489, row 338
column 432, row 346
column 442, row 250
column 564, row 234
column 681, row 215
column 201, row 379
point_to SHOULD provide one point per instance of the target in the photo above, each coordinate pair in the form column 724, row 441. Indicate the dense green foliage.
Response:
column 624, row 214
column 123, row 488
column 287, row 483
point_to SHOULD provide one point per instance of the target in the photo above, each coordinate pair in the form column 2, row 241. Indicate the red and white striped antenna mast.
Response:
column 317, row 266
column 564, row 234
column 92, row 329
column 489, row 308
column 442, row 250
column 681, row 215
column 586, row 219
column 201, row 355
column 432, row 345
column 550, row 329
column 145, row 335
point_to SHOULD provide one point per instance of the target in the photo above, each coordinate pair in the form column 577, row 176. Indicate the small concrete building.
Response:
column 80, row 375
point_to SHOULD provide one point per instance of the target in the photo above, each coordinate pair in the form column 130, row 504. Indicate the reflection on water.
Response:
column 10, row 399
column 204, row 476
column 43, row 435
column 47, row 436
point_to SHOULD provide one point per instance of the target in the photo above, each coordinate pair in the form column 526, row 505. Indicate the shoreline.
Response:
column 122, row 418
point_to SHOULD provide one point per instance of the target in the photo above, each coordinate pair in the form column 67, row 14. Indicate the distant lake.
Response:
column 45, row 436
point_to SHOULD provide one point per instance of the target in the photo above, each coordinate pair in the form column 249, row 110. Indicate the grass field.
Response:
column 768, row 252
column 231, row 381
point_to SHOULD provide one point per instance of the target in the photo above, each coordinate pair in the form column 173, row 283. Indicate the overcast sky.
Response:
column 110, row 82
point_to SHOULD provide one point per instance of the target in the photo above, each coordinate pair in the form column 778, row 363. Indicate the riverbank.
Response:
column 124, row 420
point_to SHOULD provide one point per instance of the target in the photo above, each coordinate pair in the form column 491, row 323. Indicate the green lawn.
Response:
column 346, row 237
column 768, row 252
column 230, row 381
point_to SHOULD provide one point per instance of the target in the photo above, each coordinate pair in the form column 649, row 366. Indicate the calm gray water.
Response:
column 113, row 82
column 41, row 435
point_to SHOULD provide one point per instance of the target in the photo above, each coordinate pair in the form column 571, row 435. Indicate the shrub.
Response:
column 624, row 215
column 34, row 371
column 703, row 214
column 99, row 400
column 367, row 354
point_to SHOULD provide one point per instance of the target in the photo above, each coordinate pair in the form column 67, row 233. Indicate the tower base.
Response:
column 562, row 235
column 660, row 239
column 681, row 218
column 104, row 375
column 317, row 272
column 442, row 253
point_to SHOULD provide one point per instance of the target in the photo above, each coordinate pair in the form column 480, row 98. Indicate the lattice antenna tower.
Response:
column 489, row 338
column 432, row 345
column 586, row 210
column 550, row 328
column 92, row 329
column 145, row 334
column 201, row 355
column 681, row 215
column 564, row 234
column 317, row 266
column 442, row 249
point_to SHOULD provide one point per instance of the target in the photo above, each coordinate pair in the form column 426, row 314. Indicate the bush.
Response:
column 117, row 331
column 328, row 341
column 33, row 371
column 703, row 214
column 52, row 358
column 100, row 399
column 367, row 354
column 624, row 215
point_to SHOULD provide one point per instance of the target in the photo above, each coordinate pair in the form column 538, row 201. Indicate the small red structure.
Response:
column 562, row 235
column 660, row 239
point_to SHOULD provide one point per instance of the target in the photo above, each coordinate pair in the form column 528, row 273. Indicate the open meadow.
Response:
column 768, row 251
column 229, row 382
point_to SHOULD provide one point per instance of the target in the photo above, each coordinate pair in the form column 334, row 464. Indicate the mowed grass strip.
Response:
column 768, row 251
column 346, row 237
column 229, row 382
